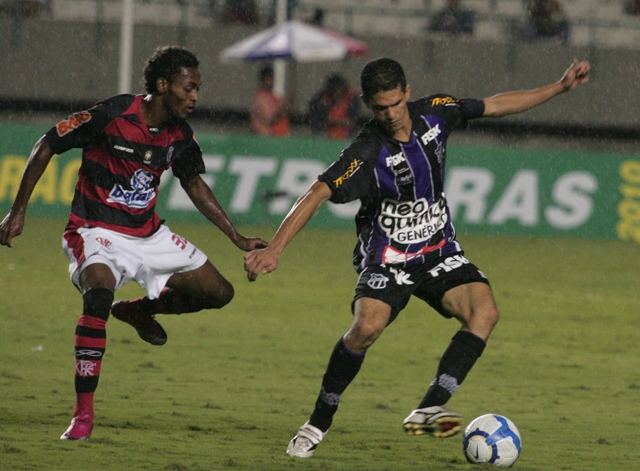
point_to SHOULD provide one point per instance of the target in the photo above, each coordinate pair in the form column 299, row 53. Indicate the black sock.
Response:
column 342, row 369
column 458, row 359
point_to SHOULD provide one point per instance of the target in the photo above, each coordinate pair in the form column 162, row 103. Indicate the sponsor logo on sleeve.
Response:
column 74, row 121
column 446, row 100
column 353, row 168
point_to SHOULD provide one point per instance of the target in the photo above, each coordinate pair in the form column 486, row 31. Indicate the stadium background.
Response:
column 573, row 157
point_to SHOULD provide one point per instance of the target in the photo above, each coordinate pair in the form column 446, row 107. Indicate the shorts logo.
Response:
column 139, row 196
column 377, row 281
column 179, row 241
column 449, row 264
column 402, row 277
column 104, row 242
column 74, row 121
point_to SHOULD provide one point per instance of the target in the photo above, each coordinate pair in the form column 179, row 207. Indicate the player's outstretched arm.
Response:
column 205, row 201
column 13, row 223
column 266, row 260
column 507, row 103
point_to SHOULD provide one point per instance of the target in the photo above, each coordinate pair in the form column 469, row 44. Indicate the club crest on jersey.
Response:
column 139, row 196
column 147, row 156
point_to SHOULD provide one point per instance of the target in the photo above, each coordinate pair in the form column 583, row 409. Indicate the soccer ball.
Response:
column 492, row 439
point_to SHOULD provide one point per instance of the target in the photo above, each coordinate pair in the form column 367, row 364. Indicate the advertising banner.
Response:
column 490, row 190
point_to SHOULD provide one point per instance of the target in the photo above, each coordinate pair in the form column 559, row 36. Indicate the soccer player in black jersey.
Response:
column 114, row 234
column 406, row 242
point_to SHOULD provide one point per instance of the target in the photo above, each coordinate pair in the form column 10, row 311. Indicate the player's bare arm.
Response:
column 266, row 260
column 13, row 223
column 507, row 103
column 206, row 202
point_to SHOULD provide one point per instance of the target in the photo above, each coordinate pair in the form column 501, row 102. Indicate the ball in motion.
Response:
column 492, row 439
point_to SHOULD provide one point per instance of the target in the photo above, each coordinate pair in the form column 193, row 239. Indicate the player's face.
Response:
column 183, row 91
column 390, row 109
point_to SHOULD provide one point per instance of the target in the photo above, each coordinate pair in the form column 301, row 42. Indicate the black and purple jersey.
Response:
column 404, row 217
column 122, row 161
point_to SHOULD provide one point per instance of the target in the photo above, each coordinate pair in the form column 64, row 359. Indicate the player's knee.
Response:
column 222, row 296
column 492, row 316
column 362, row 335
column 97, row 303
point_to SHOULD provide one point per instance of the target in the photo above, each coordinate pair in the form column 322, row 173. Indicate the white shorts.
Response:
column 150, row 261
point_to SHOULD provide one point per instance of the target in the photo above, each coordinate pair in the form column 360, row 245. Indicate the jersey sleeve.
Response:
column 81, row 129
column 455, row 112
column 351, row 176
column 189, row 164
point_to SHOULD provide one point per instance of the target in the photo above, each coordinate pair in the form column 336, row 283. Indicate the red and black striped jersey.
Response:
column 122, row 161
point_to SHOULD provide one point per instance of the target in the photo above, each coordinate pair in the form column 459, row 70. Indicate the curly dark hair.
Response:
column 166, row 62
column 381, row 75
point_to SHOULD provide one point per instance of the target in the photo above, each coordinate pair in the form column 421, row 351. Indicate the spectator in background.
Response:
column 632, row 7
column 335, row 109
column 547, row 19
column 241, row 12
column 268, row 112
column 24, row 8
column 454, row 19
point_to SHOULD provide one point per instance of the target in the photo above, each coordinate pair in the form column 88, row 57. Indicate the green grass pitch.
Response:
column 231, row 387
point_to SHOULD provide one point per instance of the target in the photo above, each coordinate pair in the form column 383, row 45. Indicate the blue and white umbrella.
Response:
column 295, row 40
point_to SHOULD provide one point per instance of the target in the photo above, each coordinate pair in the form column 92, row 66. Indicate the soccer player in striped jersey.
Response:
column 114, row 234
column 406, row 241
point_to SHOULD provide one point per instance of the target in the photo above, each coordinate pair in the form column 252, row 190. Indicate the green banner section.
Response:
column 494, row 190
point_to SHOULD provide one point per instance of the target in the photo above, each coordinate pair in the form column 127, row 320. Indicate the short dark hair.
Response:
column 166, row 62
column 381, row 75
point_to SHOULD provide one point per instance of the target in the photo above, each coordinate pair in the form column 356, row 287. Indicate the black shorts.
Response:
column 429, row 282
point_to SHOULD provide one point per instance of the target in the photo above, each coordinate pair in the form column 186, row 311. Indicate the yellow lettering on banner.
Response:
column 628, row 227
column 630, row 172
column 68, row 180
column 11, row 168
column 47, row 185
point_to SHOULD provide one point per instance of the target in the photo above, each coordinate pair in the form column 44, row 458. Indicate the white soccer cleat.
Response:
column 305, row 442
column 436, row 421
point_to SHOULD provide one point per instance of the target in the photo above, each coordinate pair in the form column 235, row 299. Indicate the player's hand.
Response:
column 576, row 74
column 260, row 262
column 10, row 227
column 250, row 243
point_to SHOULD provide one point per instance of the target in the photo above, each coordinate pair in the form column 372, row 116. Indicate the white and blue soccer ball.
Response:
column 492, row 439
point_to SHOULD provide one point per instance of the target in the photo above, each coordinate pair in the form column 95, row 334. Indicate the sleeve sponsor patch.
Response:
column 353, row 167
column 447, row 100
column 72, row 122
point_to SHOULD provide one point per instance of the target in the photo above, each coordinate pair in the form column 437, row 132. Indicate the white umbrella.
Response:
column 295, row 40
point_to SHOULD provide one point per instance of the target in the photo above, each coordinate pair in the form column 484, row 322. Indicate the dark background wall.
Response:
column 77, row 62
